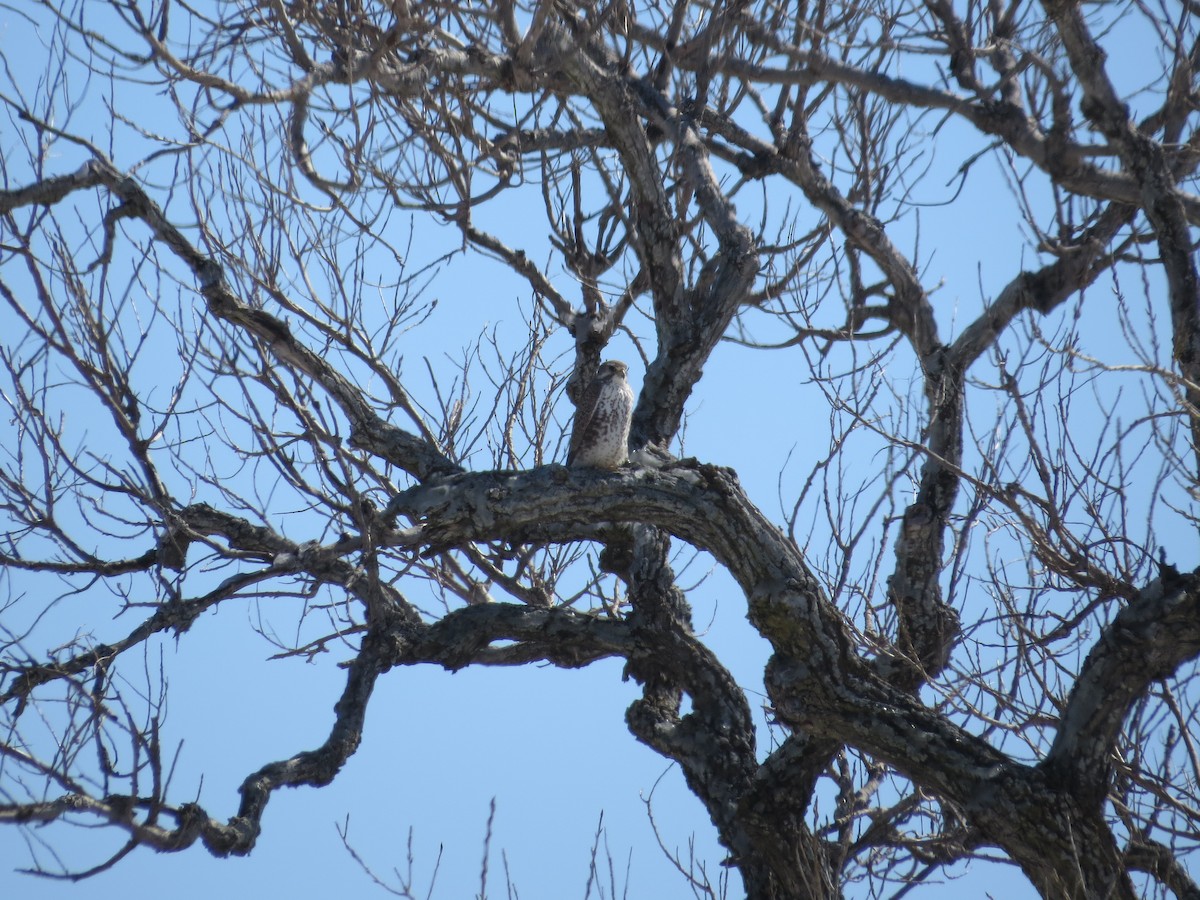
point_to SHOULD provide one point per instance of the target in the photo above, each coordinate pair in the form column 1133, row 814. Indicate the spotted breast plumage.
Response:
column 600, row 437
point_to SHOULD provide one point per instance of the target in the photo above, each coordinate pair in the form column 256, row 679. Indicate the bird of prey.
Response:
column 600, row 436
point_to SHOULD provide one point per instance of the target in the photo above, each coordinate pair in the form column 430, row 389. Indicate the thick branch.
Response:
column 817, row 681
column 1147, row 641
column 1159, row 195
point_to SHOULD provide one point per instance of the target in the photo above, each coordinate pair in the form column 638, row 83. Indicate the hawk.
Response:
column 600, row 436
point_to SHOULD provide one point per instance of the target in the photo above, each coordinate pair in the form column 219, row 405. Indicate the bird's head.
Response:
column 614, row 368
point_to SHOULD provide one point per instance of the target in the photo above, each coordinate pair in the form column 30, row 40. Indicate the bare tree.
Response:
column 978, row 599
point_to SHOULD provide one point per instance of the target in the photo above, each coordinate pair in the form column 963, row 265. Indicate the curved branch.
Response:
column 1147, row 641
column 369, row 431
column 819, row 684
column 1160, row 862
column 1158, row 193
